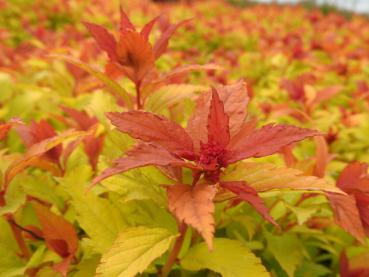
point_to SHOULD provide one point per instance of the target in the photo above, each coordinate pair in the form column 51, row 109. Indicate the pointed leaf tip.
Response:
column 125, row 22
column 104, row 39
column 218, row 121
column 194, row 206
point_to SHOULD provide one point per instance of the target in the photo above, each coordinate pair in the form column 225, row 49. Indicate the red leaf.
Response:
column 245, row 130
column 346, row 269
column 344, row 265
column 143, row 154
column 125, row 23
column 218, row 122
column 249, row 195
column 235, row 100
column 146, row 30
column 104, row 39
column 93, row 147
column 60, row 235
column 354, row 177
column 4, row 129
column 197, row 125
column 37, row 132
column 266, row 141
column 63, row 266
column 154, row 129
column 325, row 94
column 347, row 214
column 362, row 202
column 83, row 120
column 353, row 180
column 194, row 206
column 162, row 43
column 295, row 88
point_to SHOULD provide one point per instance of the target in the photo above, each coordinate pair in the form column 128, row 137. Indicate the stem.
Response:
column 175, row 251
column 138, row 95
column 26, row 230
column 289, row 212
column 19, row 238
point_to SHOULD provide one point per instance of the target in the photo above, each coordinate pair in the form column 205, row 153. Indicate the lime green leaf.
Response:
column 6, row 236
column 134, row 250
column 6, row 87
column 43, row 188
column 37, row 257
column 302, row 213
column 287, row 250
column 10, row 264
column 309, row 269
column 266, row 176
column 87, row 267
column 113, row 86
column 99, row 103
column 14, row 198
column 230, row 258
column 170, row 95
column 139, row 184
column 98, row 217
column 147, row 213
column 48, row 271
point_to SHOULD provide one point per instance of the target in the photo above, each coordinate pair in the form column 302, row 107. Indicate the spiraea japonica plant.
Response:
column 136, row 170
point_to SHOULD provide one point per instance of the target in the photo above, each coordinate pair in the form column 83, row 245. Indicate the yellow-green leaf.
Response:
column 266, row 176
column 134, row 250
column 170, row 95
column 287, row 250
column 230, row 258
column 98, row 217
column 113, row 86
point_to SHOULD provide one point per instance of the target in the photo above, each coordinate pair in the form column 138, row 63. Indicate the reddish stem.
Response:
column 19, row 238
column 138, row 95
column 175, row 251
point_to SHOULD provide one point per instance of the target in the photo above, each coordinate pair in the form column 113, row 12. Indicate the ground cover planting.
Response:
column 182, row 139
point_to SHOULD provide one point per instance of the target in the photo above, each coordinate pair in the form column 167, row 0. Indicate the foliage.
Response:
column 227, row 143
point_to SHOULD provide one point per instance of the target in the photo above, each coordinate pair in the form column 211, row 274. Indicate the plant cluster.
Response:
column 240, row 150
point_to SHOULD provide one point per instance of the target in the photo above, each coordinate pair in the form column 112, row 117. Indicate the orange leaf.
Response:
column 33, row 156
column 322, row 156
column 194, row 206
column 59, row 234
column 135, row 55
column 347, row 214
